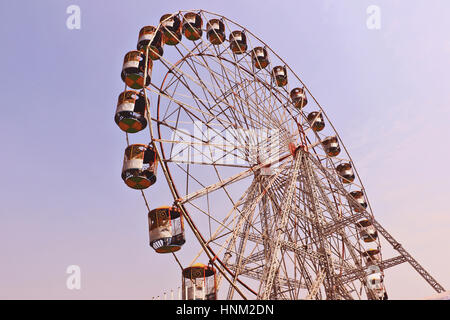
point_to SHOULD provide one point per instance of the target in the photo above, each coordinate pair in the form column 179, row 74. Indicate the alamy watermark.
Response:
column 74, row 19
column 233, row 146
column 73, row 281
column 373, row 21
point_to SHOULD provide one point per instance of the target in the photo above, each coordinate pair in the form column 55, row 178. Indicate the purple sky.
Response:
column 63, row 201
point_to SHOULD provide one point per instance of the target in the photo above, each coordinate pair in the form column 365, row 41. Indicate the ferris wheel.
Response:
column 256, row 169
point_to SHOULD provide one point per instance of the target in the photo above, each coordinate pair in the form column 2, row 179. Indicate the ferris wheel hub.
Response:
column 294, row 148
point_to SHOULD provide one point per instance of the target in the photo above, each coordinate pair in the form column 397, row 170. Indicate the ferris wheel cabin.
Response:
column 279, row 76
column 192, row 26
column 372, row 256
column 375, row 281
column 147, row 34
column 133, row 73
column 199, row 282
column 367, row 231
column 298, row 97
column 315, row 120
column 359, row 197
column 346, row 172
column 171, row 25
column 215, row 31
column 238, row 42
column 331, row 146
column 260, row 57
column 139, row 166
column 166, row 229
column 131, row 112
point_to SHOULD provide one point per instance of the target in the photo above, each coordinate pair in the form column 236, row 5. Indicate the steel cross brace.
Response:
column 316, row 285
column 361, row 272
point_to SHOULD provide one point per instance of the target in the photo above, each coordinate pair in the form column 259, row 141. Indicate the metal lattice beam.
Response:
column 271, row 270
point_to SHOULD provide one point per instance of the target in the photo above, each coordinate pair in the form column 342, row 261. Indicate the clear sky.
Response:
column 63, row 201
